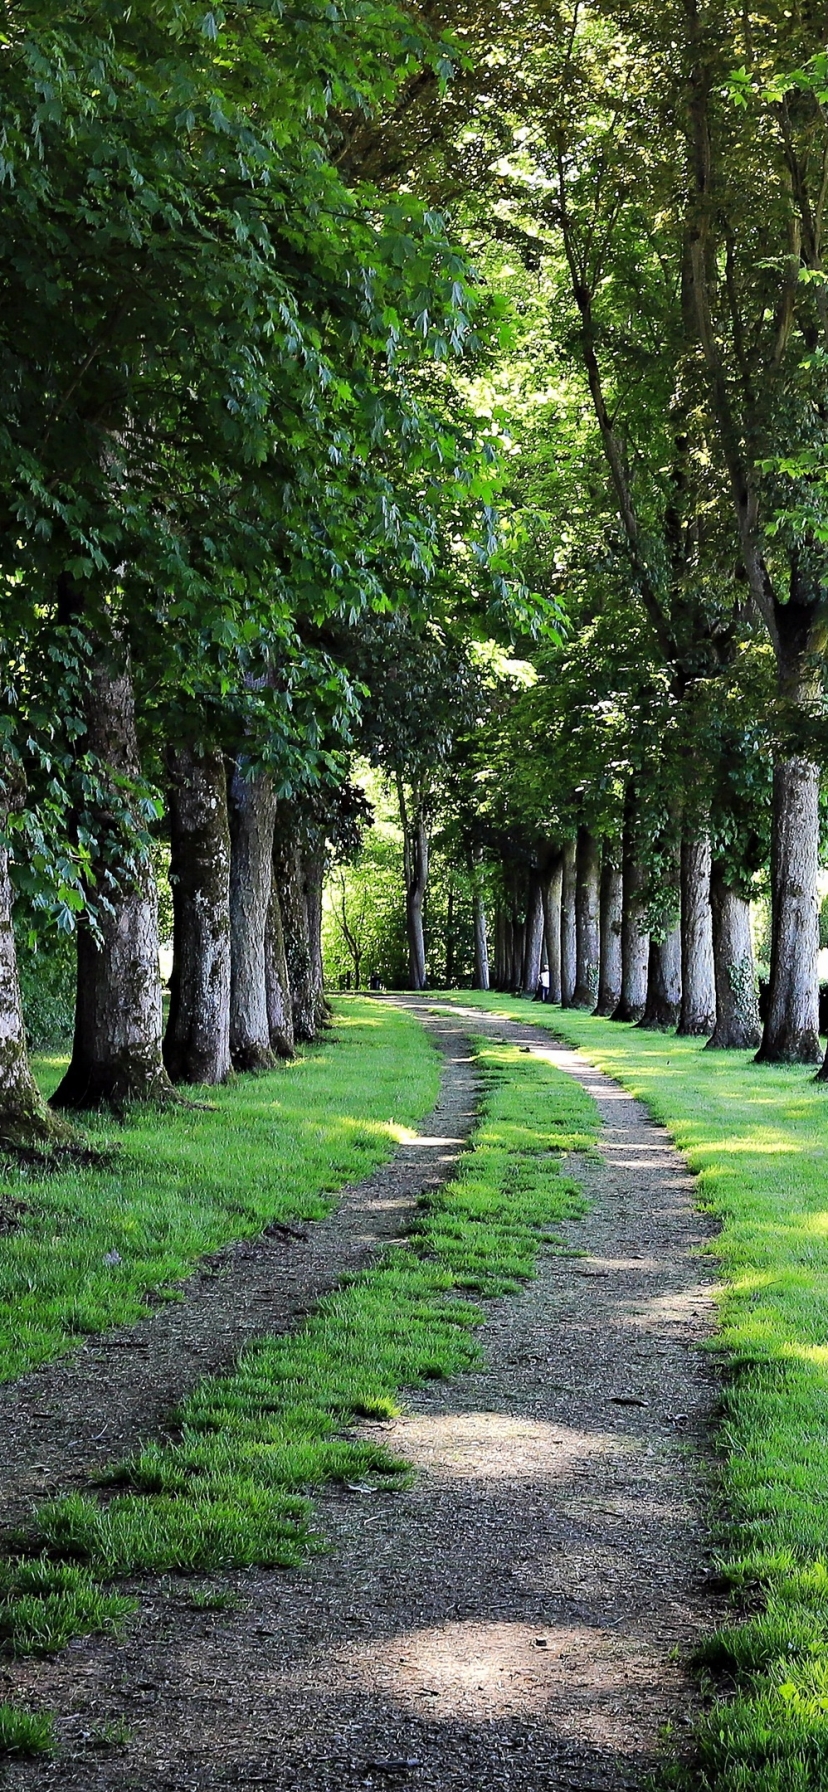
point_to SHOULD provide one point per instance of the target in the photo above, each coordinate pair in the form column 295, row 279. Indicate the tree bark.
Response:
column 568, row 931
column 533, row 938
column 251, row 811
column 612, row 910
column 551, row 890
column 277, row 981
column 197, row 1037
column 791, row 1033
column 117, row 1048
column 518, row 954
column 481, row 940
column 587, row 920
column 698, row 983
column 25, row 1120
column 290, row 880
column 415, row 857
column 737, row 1009
column 635, row 940
column 663, row 1004
column 313, row 879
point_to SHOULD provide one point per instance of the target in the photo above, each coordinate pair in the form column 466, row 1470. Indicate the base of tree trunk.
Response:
column 631, row 1012
column 30, row 1131
column 255, row 1057
column 583, row 997
column 800, row 1048
column 86, row 1087
column 605, row 1011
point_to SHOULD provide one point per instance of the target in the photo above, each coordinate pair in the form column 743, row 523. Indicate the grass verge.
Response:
column 232, row 1490
column 80, row 1248
column 758, row 1138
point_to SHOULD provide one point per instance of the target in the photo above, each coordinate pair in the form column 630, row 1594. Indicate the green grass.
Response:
column 232, row 1491
column 758, row 1138
column 25, row 1732
column 89, row 1244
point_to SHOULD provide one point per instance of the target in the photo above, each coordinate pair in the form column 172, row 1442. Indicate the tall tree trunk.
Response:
column 289, row 872
column 698, row 984
column 587, row 920
column 415, row 856
column 551, row 891
column 737, row 1010
column 518, row 952
column 533, row 939
column 197, row 1037
column 481, row 942
column 313, row 870
column 663, row 1004
column 25, row 1120
column 277, row 981
column 791, row 1034
column 251, row 810
column 612, row 911
column 116, row 1052
column 569, row 976
column 635, row 939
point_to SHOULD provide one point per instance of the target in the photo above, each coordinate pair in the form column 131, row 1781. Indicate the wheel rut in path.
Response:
column 516, row 1618
column 67, row 1419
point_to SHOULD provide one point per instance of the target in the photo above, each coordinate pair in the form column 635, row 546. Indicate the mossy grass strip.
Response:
column 81, row 1247
column 232, row 1490
column 757, row 1135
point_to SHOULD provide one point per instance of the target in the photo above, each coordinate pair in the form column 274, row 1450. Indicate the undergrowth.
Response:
column 758, row 1137
column 81, row 1248
column 233, row 1489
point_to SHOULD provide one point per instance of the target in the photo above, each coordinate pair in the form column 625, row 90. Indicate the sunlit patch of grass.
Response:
column 91, row 1243
column 232, row 1489
column 757, row 1136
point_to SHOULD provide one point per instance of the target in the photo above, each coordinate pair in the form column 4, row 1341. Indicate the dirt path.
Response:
column 511, row 1620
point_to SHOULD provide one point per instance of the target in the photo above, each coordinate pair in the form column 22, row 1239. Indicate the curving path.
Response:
column 517, row 1618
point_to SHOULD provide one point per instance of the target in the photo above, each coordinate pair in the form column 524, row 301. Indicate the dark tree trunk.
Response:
column 737, row 1010
column 518, row 950
column 698, row 984
column 116, row 1053
column 277, row 981
column 587, row 920
column 551, row 890
column 251, row 809
column 415, row 856
column 635, row 940
column 25, row 1120
column 612, row 909
column 481, row 942
column 569, row 974
column 663, row 1004
column 533, row 939
column 313, row 869
column 290, row 881
column 791, row 1034
column 197, row 1038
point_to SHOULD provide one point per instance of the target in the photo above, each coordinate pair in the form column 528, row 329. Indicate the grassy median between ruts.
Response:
column 758, row 1138
column 233, row 1488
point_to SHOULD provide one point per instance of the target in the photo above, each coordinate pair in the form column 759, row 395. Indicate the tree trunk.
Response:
column 415, row 853
column 612, row 910
column 481, row 942
column 737, row 1010
column 568, row 930
column 117, row 1049
column 663, row 1004
column 277, row 981
column 25, row 1120
column 533, row 939
column 251, row 808
column 518, row 953
column 313, row 878
column 197, row 1038
column 791, row 1034
column 551, row 891
column 698, row 983
column 635, row 940
column 587, row 920
column 289, row 873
